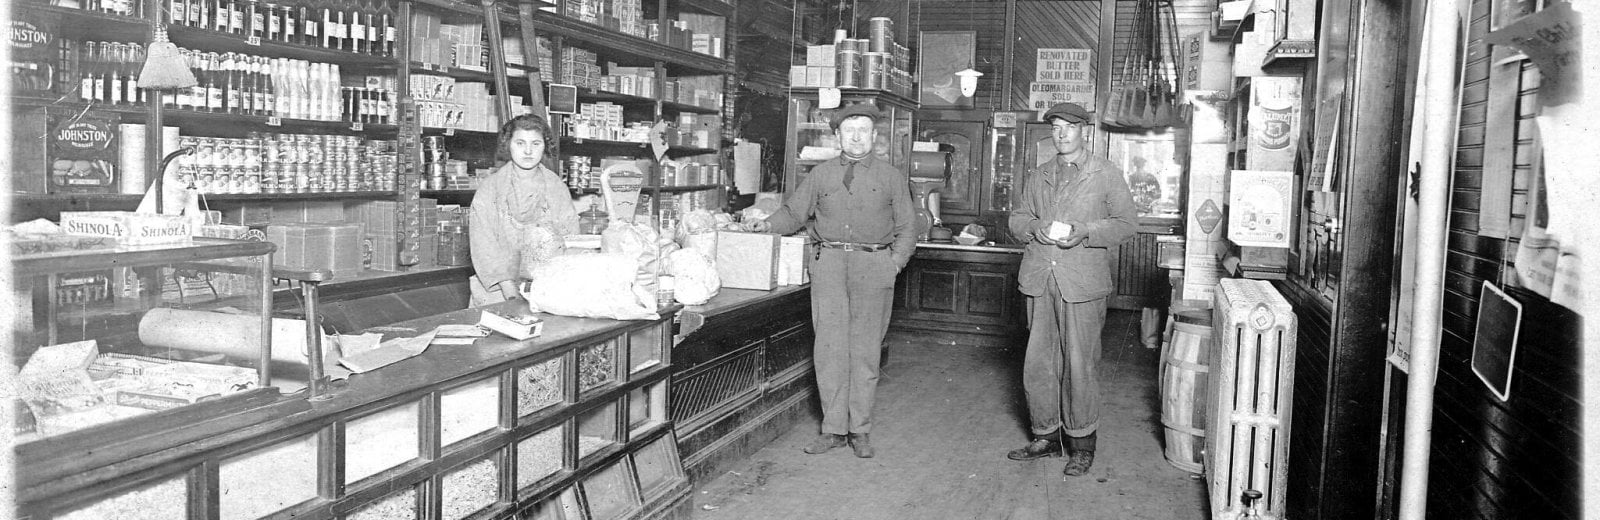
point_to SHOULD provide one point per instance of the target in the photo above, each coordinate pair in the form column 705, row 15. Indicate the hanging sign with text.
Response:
column 1062, row 76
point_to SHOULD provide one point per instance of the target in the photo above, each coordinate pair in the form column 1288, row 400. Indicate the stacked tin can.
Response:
column 848, row 63
column 581, row 173
column 380, row 163
column 302, row 163
column 221, row 165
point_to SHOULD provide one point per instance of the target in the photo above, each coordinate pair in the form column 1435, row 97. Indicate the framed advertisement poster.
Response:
column 941, row 54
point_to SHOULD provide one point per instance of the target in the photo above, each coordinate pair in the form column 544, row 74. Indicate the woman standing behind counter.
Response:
column 519, row 196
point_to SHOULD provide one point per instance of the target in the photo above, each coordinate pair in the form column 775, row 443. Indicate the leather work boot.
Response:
column 825, row 442
column 862, row 444
column 1040, row 447
column 1079, row 464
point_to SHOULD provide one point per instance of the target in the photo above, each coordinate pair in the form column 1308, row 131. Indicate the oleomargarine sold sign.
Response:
column 1062, row 76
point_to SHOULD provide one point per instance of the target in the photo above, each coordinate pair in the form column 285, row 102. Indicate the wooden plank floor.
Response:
column 945, row 417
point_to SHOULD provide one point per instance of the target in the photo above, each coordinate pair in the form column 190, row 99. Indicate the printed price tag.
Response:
column 357, row 126
column 253, row 40
column 274, row 121
column 449, row 131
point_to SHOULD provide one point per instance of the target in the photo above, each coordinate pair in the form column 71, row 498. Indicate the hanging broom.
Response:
column 164, row 67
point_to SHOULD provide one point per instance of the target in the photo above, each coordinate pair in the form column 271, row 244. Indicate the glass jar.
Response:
column 454, row 244
column 593, row 221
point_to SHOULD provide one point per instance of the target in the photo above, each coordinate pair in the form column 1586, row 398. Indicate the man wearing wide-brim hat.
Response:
column 865, row 228
column 1074, row 210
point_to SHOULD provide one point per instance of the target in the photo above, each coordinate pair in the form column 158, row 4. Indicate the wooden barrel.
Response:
column 1184, row 381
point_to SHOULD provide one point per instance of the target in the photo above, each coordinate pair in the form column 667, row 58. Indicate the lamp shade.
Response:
column 969, row 81
column 163, row 65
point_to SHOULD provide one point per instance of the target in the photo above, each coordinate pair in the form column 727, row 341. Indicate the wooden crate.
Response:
column 1252, row 366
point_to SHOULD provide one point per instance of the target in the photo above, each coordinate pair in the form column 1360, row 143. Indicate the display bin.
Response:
column 381, row 440
column 468, row 410
column 612, row 492
column 539, row 386
column 1251, row 397
column 597, row 429
column 597, row 365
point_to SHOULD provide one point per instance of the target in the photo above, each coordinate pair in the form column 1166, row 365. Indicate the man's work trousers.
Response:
column 851, row 295
column 1061, row 368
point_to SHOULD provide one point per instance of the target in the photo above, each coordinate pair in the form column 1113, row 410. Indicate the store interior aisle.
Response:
column 945, row 417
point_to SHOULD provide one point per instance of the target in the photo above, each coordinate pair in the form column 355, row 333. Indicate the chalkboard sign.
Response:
column 1494, row 346
column 563, row 99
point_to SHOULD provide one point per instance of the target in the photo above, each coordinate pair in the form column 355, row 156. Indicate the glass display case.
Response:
column 108, row 335
column 811, row 138
column 493, row 432
column 1001, row 169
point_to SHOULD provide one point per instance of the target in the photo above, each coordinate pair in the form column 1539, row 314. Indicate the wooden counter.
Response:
column 737, row 377
column 966, row 290
column 450, row 430
column 742, row 375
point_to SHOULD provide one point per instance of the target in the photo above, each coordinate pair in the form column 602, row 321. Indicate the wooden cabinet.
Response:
column 741, row 378
column 962, row 289
column 960, row 199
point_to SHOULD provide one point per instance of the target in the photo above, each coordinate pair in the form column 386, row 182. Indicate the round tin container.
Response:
column 880, row 34
column 848, row 63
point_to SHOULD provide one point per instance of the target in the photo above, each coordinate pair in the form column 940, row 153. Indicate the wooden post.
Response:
column 497, row 60
column 530, row 51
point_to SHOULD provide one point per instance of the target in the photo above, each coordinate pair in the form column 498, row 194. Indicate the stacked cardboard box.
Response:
column 310, row 246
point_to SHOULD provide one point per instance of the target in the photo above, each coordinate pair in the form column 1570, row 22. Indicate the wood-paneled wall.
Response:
column 1051, row 25
column 1493, row 459
column 1039, row 24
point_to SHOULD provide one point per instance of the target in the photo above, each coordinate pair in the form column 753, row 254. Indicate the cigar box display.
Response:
column 82, row 153
column 128, row 228
column 34, row 57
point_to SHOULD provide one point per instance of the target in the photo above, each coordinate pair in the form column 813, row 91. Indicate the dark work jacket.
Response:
column 876, row 209
column 1097, row 202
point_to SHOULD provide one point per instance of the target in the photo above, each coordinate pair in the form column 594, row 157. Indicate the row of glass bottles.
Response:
column 237, row 83
column 367, row 27
column 105, row 72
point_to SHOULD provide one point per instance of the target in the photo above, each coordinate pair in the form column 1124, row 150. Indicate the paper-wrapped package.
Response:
column 794, row 260
column 747, row 260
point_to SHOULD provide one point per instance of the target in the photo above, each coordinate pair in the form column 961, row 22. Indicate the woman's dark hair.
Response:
column 526, row 122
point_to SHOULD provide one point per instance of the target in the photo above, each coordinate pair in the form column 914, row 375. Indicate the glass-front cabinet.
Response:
column 569, row 424
column 811, row 138
column 107, row 335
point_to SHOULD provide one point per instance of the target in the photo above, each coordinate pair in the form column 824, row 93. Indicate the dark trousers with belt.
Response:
column 1061, row 368
column 851, row 296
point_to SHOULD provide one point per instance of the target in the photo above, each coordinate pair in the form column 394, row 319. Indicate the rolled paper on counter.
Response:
column 233, row 335
column 130, row 159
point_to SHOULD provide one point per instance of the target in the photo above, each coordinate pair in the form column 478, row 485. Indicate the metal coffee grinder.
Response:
column 930, row 172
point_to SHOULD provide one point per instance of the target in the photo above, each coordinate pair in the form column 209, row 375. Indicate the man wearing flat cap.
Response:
column 865, row 232
column 1073, row 211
